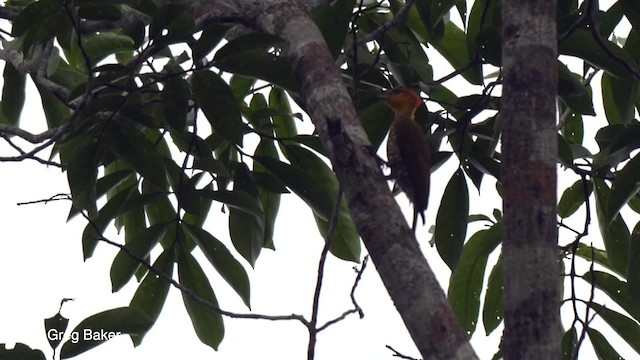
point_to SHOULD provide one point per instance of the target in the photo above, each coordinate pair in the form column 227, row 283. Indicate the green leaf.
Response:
column 249, row 55
column 171, row 24
column 207, row 322
column 624, row 186
column 270, row 200
column 479, row 217
column 136, row 30
column 616, row 289
column 408, row 61
column 623, row 140
column 332, row 20
column 222, row 260
column 211, row 165
column 218, row 104
column 614, row 143
column 247, row 234
column 609, row 20
column 422, row 14
column 486, row 164
column 249, row 42
column 129, row 143
column 439, row 9
column 616, row 241
column 451, row 221
column 631, row 10
column 246, row 230
column 57, row 324
column 301, row 183
column 628, row 329
column 618, row 99
column 103, row 326
column 376, row 120
column 13, row 95
column 581, row 44
column 209, row 39
column 198, row 217
column 453, row 47
column 633, row 272
column 601, row 345
column 573, row 197
column 260, row 65
column 236, row 200
column 32, row 15
column 492, row 312
column 179, row 30
column 241, row 86
column 573, row 92
column 117, row 177
column 259, row 114
column 159, row 211
column 124, row 266
column 569, row 343
column 484, row 15
column 55, row 110
column 81, row 158
column 592, row 254
column 461, row 6
column 346, row 241
column 99, row 46
column 284, row 126
column 133, row 219
column 614, row 229
column 465, row 285
column 573, row 130
column 565, row 155
column 94, row 229
column 152, row 292
column 175, row 99
column 188, row 198
column 97, row 12
column 20, row 351
column 313, row 142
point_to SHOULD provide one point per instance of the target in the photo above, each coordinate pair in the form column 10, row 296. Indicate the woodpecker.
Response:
column 407, row 151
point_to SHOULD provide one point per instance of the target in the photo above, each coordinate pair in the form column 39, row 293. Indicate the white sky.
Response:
column 41, row 263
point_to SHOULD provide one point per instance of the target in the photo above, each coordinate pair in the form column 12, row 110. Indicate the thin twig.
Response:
column 356, row 308
column 23, row 154
column 398, row 354
column 313, row 331
column 587, row 318
column 375, row 34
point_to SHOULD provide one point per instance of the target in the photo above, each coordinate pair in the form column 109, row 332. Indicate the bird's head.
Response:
column 403, row 101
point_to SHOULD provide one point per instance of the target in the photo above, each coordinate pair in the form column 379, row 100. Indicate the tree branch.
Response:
column 391, row 245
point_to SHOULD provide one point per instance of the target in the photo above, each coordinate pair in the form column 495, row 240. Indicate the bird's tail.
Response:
column 415, row 219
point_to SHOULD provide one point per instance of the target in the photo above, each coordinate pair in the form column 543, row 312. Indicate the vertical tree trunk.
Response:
column 531, row 280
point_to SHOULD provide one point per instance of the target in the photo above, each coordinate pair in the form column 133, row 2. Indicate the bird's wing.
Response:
column 415, row 159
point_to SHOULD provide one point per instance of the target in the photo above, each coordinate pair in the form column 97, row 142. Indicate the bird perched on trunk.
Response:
column 407, row 151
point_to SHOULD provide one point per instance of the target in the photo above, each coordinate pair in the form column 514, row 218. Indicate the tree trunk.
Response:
column 529, row 147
